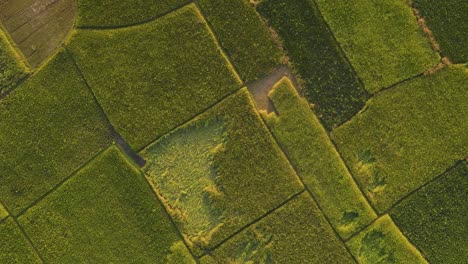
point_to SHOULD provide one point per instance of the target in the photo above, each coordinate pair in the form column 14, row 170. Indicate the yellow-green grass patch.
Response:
column 297, row 232
column 244, row 36
column 50, row 126
column 220, row 172
column 435, row 217
column 153, row 77
column 382, row 242
column 106, row 213
column 381, row 39
column 407, row 135
column 311, row 152
column 14, row 247
column 3, row 212
column 12, row 67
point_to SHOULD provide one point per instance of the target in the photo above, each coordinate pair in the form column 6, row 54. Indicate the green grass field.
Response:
column 12, row 68
column 178, row 63
column 233, row 132
column 105, row 213
column 316, row 160
column 447, row 20
column 407, row 135
column 245, row 37
column 49, row 127
column 328, row 79
column 220, row 172
column 434, row 218
column 381, row 39
column 285, row 236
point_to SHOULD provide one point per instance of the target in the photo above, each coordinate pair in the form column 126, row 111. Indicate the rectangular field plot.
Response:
column 14, row 247
column 243, row 34
column 435, row 217
column 219, row 172
column 382, row 242
column 447, row 21
column 295, row 233
column 381, row 39
column 407, row 135
column 50, row 125
column 329, row 81
column 166, row 72
column 114, row 13
column 12, row 68
column 316, row 160
column 106, row 213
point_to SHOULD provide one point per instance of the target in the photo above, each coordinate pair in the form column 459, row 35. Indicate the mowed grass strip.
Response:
column 383, row 242
column 447, row 21
column 12, row 68
column 220, row 172
column 244, row 36
column 434, row 218
column 50, row 126
column 166, row 72
column 407, row 135
column 114, row 13
column 295, row 233
column 14, row 247
column 329, row 80
column 381, row 39
column 106, row 213
column 316, row 160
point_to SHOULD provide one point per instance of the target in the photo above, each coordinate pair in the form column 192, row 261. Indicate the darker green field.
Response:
column 220, row 172
column 310, row 151
column 243, row 34
column 167, row 71
column 295, row 233
column 112, row 13
column 381, row 39
column 12, row 69
column 407, row 135
column 106, row 213
column 329, row 81
column 447, row 20
column 49, row 127
column 434, row 218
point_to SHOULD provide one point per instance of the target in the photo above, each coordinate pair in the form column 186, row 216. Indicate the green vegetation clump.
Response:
column 241, row 31
column 50, row 126
column 316, row 160
column 382, row 242
column 3, row 212
column 232, row 165
column 106, row 213
column 434, row 218
column 151, row 78
column 14, row 247
column 329, row 81
column 12, row 69
column 447, row 21
column 295, row 233
column 381, row 39
column 114, row 13
column 407, row 135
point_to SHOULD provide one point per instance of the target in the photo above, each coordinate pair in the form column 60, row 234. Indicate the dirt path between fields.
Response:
column 260, row 88
column 38, row 27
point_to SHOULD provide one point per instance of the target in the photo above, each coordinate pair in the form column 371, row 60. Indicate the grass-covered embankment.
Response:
column 12, row 68
column 316, row 160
